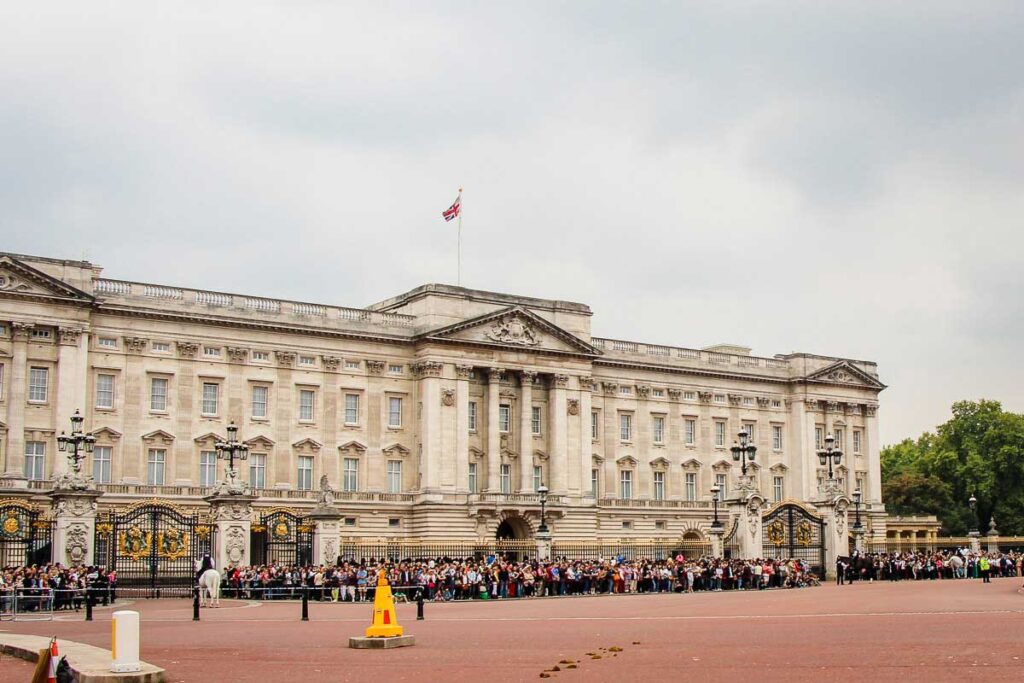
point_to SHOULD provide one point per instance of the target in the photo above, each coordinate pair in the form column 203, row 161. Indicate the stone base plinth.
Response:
column 360, row 643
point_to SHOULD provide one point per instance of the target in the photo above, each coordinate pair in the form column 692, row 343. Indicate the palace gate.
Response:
column 26, row 538
column 282, row 537
column 791, row 531
column 153, row 544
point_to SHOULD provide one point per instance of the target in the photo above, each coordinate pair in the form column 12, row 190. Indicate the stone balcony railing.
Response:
column 654, row 353
column 200, row 491
column 237, row 305
column 520, row 498
column 643, row 503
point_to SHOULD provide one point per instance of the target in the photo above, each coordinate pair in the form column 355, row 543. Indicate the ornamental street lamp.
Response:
column 230, row 450
column 743, row 451
column 716, row 526
column 542, row 491
column 857, row 527
column 829, row 454
column 973, row 503
column 76, row 445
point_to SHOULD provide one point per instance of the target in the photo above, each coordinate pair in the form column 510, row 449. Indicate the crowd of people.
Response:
column 922, row 565
column 56, row 585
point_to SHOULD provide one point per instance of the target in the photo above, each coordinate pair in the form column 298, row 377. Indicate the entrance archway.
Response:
column 512, row 528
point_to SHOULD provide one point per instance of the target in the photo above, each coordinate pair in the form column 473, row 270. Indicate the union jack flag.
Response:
column 452, row 212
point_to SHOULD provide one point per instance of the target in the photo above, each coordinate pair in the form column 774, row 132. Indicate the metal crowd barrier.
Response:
column 27, row 604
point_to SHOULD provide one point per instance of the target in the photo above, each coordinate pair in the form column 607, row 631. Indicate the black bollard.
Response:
column 419, row 605
column 305, row 605
column 88, row 604
column 195, row 604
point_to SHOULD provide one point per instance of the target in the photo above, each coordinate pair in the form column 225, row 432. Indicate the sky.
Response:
column 840, row 178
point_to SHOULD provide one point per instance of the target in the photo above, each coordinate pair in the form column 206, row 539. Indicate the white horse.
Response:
column 209, row 584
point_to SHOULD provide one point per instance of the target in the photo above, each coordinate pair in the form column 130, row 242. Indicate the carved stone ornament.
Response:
column 841, row 376
column 754, row 516
column 832, row 406
column 841, row 519
column 705, row 396
column 286, row 358
column 22, row 330
column 763, row 401
column 448, row 397
column 512, row 329
column 232, row 511
column 526, row 377
column 77, row 544
column 375, row 367
column 494, row 374
column 135, row 344
column 811, row 403
column 574, row 406
column 331, row 363
column 75, row 507
column 853, row 409
column 560, row 381
column 69, row 336
column 234, row 545
column 187, row 349
column 463, row 371
column 675, row 394
column 586, row 383
column 870, row 411
column 325, row 497
column 735, row 400
column 428, row 368
column 237, row 354
column 610, row 388
column 643, row 390
column 330, row 551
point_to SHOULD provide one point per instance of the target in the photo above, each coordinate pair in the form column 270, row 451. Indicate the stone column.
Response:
column 462, row 373
column 992, row 536
column 543, row 545
column 716, row 541
column 17, row 397
column 74, row 529
column 834, row 512
column 586, row 443
column 71, row 383
column 232, row 516
column 326, row 535
column 748, row 509
column 493, row 433
column 526, row 432
column 874, row 455
column 808, row 451
column 430, row 424
column 134, row 454
column 559, row 457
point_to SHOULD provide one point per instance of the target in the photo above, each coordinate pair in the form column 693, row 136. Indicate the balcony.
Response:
column 658, row 504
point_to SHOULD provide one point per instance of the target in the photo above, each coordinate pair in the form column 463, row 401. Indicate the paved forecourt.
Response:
column 931, row 631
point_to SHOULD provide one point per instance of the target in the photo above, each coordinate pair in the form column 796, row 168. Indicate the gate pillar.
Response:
column 232, row 515
column 833, row 512
column 74, row 528
column 747, row 509
column 326, row 533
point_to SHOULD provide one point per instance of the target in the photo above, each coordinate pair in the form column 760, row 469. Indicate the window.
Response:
column 659, row 429
column 350, row 474
column 106, row 343
column 856, row 441
column 259, row 401
column 625, row 391
column 840, row 439
column 748, row 400
column 104, row 391
column 777, row 489
column 305, row 482
column 101, row 457
column 351, row 365
column 691, row 432
column 506, row 478
column 394, row 369
column 211, row 351
column 38, row 380
column 394, row 412
column 860, row 485
column 504, row 417
column 161, row 347
column 721, row 483
column 819, row 437
column 41, row 334
column 625, row 427
column 776, row 403
column 35, row 459
column 351, row 409
column 689, row 395
column 595, row 422
column 660, row 524
column 691, row 486
column 659, row 486
column 350, row 521
column 750, row 428
column 719, row 433
column 658, row 393
column 472, row 416
column 471, row 482
column 155, row 466
column 535, row 420
column 260, row 356
column 627, row 525
column 306, row 400
column 207, row 468
column 158, row 394
column 394, row 522
column 1, row 381
column 777, row 437
column 626, row 484
column 308, row 361
column 210, row 390
column 394, row 476
column 258, row 470
column 719, row 398
column 538, row 476
column 593, row 482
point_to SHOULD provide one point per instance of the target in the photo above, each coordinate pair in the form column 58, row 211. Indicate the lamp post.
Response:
column 542, row 491
column 76, row 446
column 743, row 450
column 972, row 502
column 229, row 450
column 830, row 454
column 858, row 528
column 716, row 525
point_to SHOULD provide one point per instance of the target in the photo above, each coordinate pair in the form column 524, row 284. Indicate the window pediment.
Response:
column 259, row 443
column 660, row 464
column 307, row 446
column 208, row 439
column 353, row 447
column 692, row 464
column 626, row 461
column 396, row 449
column 158, row 437
column 103, row 434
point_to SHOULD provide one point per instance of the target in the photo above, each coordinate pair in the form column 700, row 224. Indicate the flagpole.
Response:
column 458, row 279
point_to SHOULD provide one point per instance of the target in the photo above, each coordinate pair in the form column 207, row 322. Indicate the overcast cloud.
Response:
column 837, row 178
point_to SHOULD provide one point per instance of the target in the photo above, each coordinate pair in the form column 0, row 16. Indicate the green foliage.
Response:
column 979, row 451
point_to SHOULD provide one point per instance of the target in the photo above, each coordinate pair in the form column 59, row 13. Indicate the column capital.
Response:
column 463, row 371
column 494, row 374
column 428, row 368
column 675, row 394
column 643, row 390
column 69, row 336
column 528, row 376
column 187, row 349
column 21, row 330
column 135, row 344
column 560, row 381
column 870, row 410
column 285, row 357
column 375, row 367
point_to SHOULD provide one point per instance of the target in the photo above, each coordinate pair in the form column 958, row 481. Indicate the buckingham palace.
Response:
column 435, row 414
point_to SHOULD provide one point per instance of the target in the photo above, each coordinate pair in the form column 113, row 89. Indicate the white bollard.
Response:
column 124, row 642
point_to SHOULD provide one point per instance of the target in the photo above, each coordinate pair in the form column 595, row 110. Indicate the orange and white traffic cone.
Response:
column 54, row 657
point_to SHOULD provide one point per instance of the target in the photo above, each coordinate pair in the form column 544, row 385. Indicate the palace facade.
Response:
column 435, row 414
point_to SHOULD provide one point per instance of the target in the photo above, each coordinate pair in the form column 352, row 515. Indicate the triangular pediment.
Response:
column 259, row 442
column 307, row 444
column 21, row 279
column 208, row 438
column 106, row 433
column 357, row 447
column 844, row 372
column 395, row 449
column 691, row 463
column 158, row 436
column 514, row 327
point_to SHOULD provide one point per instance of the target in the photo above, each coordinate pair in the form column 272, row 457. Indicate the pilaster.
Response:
column 586, row 442
column 430, row 424
column 526, row 431
column 462, row 373
column 71, row 383
column 232, row 515
column 493, row 432
column 874, row 454
column 74, row 529
column 326, row 535
column 559, row 456
column 17, row 396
